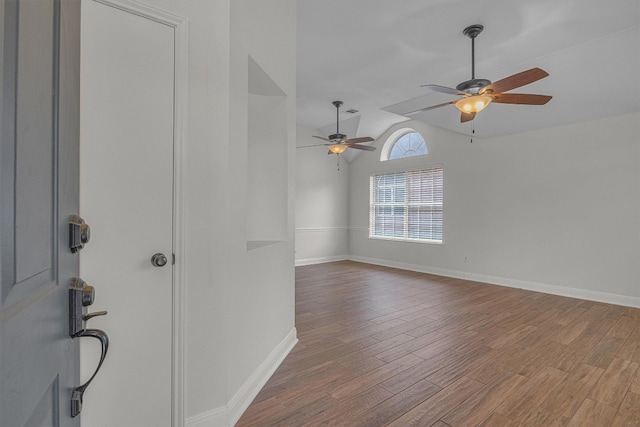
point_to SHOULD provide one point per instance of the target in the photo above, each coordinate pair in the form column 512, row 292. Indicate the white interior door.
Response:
column 126, row 175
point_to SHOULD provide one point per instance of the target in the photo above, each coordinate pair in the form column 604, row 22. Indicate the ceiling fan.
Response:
column 339, row 142
column 478, row 93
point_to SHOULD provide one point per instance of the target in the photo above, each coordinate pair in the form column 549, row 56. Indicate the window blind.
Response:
column 407, row 205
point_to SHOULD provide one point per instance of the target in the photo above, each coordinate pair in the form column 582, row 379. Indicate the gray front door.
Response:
column 39, row 50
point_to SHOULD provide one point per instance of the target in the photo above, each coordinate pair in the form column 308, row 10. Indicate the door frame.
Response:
column 181, row 31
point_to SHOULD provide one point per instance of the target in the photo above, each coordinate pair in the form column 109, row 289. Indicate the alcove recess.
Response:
column 267, row 180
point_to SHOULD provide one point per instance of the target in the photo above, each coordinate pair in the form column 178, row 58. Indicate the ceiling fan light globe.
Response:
column 337, row 148
column 473, row 104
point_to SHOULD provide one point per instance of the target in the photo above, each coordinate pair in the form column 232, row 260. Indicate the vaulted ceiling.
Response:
column 375, row 54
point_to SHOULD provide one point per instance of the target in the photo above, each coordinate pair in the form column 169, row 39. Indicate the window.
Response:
column 407, row 206
column 404, row 142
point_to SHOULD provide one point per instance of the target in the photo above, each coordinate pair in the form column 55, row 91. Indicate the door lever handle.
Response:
column 78, row 392
column 92, row 315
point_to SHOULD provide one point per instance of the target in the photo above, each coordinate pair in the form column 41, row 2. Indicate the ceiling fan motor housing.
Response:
column 473, row 85
column 338, row 136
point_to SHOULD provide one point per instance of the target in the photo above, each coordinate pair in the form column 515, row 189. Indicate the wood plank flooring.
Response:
column 386, row 347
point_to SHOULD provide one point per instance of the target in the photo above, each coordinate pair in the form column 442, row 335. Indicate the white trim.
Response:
column 181, row 91
column 250, row 389
column 321, row 260
column 622, row 300
column 321, row 229
column 181, row 49
column 230, row 414
column 217, row 417
column 145, row 11
column 408, row 240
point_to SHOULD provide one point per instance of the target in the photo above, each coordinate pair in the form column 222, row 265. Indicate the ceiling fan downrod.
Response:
column 337, row 135
column 472, row 32
column 473, row 85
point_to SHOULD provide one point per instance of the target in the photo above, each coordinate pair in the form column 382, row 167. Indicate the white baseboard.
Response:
column 217, row 417
column 322, row 260
column 250, row 389
column 228, row 415
column 623, row 300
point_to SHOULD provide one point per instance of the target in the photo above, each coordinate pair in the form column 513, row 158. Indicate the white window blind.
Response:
column 407, row 205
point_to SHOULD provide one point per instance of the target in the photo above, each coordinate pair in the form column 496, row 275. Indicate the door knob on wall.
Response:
column 159, row 260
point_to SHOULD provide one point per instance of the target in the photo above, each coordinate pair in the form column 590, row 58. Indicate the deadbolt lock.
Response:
column 79, row 233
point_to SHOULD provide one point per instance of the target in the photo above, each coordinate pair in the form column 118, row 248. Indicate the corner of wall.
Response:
column 229, row 414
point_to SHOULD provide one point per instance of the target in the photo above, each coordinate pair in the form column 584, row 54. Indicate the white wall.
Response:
column 555, row 210
column 260, row 271
column 238, row 303
column 322, row 202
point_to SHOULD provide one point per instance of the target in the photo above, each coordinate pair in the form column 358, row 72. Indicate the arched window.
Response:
column 403, row 143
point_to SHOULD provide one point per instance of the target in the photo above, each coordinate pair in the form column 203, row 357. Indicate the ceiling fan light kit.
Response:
column 338, row 148
column 473, row 104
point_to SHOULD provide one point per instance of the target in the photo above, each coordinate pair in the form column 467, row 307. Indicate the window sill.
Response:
column 397, row 239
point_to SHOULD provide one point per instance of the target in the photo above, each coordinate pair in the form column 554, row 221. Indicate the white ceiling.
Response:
column 375, row 54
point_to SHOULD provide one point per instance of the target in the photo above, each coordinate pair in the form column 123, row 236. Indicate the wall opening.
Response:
column 267, row 180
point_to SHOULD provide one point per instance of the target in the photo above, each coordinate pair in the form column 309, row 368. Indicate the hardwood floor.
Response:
column 386, row 347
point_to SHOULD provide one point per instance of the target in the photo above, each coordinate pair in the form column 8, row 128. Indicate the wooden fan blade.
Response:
column 410, row 113
column 359, row 140
column 465, row 117
column 322, row 138
column 362, row 147
column 521, row 98
column 444, row 89
column 514, row 81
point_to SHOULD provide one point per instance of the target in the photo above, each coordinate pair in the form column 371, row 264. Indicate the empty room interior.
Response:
column 509, row 310
column 324, row 213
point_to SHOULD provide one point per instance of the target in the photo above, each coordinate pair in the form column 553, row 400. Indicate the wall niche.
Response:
column 267, row 180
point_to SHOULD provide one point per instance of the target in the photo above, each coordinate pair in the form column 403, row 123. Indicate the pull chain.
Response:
column 473, row 130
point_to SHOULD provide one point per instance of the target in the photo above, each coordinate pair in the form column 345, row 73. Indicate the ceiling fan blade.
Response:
column 514, row 81
column 315, row 145
column 410, row 113
column 359, row 140
column 322, row 138
column 521, row 98
column 362, row 147
column 465, row 117
column 444, row 89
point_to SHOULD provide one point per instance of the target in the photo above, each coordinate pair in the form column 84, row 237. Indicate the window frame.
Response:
column 381, row 229
column 391, row 141
column 405, row 153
